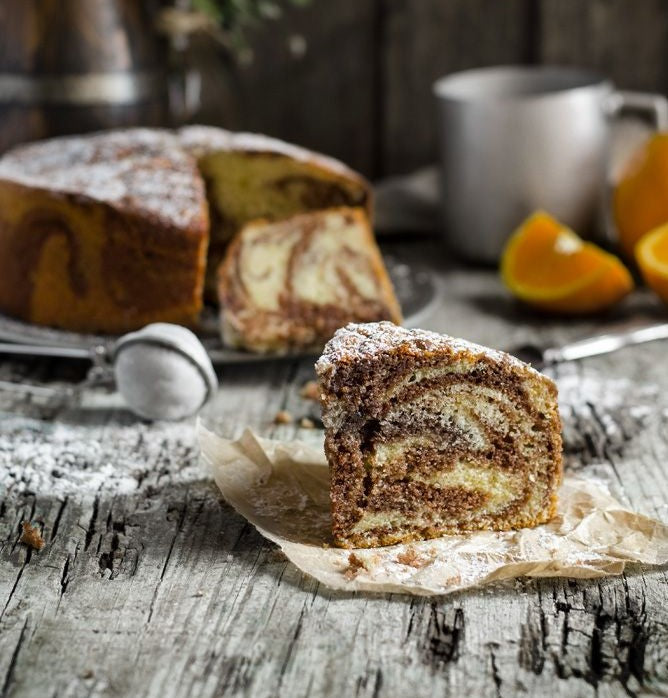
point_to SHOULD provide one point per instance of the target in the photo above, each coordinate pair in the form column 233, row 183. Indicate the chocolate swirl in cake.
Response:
column 110, row 231
column 102, row 233
column 289, row 285
column 427, row 435
column 250, row 176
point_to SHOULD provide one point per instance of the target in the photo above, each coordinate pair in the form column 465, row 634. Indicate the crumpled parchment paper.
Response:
column 282, row 488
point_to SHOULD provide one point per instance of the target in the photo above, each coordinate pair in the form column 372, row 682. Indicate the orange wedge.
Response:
column 548, row 266
column 652, row 257
column 640, row 200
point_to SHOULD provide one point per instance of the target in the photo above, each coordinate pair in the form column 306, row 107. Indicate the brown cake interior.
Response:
column 110, row 231
column 432, row 436
column 250, row 177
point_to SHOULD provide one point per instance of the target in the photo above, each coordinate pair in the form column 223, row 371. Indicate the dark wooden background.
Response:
column 362, row 89
column 348, row 77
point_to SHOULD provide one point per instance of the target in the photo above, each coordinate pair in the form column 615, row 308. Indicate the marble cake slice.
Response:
column 288, row 286
column 429, row 435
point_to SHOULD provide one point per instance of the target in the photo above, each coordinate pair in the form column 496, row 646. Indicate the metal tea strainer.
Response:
column 162, row 371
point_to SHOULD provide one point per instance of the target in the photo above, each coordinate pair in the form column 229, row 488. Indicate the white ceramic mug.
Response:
column 519, row 138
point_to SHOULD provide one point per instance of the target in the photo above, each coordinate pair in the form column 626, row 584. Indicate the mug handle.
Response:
column 653, row 106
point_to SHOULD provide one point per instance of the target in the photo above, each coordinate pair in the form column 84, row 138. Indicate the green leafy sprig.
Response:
column 234, row 15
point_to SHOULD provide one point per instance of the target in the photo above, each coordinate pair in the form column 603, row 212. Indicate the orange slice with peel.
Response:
column 548, row 266
column 652, row 257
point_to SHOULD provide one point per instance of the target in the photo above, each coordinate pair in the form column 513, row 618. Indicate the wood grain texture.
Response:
column 362, row 90
column 150, row 585
column 311, row 81
column 351, row 78
column 422, row 41
column 621, row 38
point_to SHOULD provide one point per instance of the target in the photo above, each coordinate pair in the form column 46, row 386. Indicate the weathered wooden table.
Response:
column 150, row 585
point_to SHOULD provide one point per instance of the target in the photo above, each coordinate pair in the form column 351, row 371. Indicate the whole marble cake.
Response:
column 428, row 435
column 110, row 231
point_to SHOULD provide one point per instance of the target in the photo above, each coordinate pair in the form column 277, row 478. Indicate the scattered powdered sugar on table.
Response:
column 70, row 456
column 58, row 459
column 609, row 401
column 579, row 389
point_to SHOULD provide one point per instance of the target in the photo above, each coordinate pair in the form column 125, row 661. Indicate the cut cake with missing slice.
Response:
column 428, row 435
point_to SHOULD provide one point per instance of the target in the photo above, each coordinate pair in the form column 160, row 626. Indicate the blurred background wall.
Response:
column 348, row 77
column 357, row 83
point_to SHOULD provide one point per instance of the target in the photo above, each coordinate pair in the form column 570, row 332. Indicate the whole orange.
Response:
column 640, row 201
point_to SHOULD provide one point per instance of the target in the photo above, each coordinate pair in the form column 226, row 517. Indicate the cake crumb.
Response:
column 310, row 390
column 355, row 564
column 306, row 423
column 411, row 558
column 32, row 536
column 283, row 417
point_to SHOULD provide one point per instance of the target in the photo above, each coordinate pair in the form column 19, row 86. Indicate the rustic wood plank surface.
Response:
column 351, row 78
column 311, row 80
column 150, row 585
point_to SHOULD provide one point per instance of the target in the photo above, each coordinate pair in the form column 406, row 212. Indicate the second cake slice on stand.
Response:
column 289, row 285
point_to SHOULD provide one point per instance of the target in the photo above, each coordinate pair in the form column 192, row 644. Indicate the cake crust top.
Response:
column 365, row 341
column 136, row 170
column 202, row 140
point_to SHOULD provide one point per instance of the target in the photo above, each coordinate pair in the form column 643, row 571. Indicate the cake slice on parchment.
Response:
column 250, row 176
column 427, row 435
column 290, row 285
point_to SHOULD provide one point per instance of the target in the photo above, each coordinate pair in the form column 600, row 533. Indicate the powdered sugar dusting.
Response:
column 357, row 342
column 62, row 459
column 577, row 389
column 140, row 170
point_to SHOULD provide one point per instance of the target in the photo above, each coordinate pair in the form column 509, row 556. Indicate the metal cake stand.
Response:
column 415, row 288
